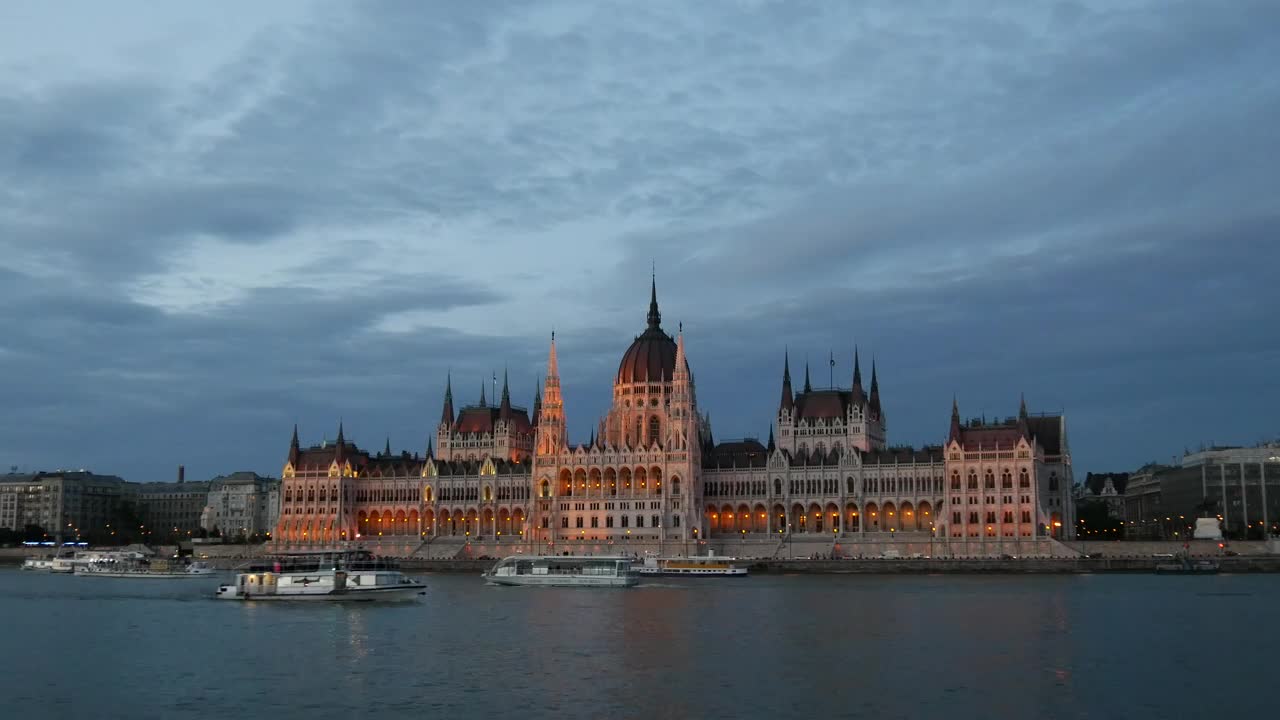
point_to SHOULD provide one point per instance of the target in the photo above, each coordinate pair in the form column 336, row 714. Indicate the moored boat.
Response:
column 697, row 566
column 142, row 568
column 1185, row 566
column 37, row 563
column 562, row 571
column 324, row 575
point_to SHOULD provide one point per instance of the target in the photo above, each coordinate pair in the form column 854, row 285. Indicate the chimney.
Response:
column 182, row 473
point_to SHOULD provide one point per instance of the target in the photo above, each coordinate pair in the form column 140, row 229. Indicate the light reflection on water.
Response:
column 766, row 646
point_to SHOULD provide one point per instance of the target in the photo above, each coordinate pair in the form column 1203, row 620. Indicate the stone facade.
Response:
column 65, row 504
column 652, row 472
column 242, row 503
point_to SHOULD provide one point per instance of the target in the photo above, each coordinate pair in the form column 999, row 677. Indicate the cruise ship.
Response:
column 323, row 575
column 697, row 566
column 562, row 571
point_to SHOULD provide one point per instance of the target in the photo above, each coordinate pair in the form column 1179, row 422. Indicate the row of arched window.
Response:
column 989, row 480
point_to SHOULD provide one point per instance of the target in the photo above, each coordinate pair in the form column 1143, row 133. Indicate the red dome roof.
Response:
column 651, row 358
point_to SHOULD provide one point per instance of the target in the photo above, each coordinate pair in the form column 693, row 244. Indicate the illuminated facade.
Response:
column 651, row 472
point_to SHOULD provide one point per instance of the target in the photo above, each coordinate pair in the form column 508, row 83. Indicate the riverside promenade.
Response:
column 1066, row 558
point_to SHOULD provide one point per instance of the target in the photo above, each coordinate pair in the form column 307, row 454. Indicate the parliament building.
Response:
column 651, row 471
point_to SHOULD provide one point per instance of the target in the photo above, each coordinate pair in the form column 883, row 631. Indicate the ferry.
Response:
column 697, row 566
column 322, row 576
column 38, row 563
column 562, row 571
column 72, row 563
column 142, row 568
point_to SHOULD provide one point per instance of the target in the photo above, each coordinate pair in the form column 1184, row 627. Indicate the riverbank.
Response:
column 1029, row 566
column 1126, row 562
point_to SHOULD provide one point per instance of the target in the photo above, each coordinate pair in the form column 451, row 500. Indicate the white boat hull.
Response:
column 142, row 575
column 383, row 594
column 693, row 572
column 562, row 580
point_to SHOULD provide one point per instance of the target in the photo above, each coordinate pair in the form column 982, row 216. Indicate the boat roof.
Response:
column 570, row 558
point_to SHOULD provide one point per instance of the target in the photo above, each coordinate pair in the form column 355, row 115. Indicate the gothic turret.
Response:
column 874, row 400
column 294, row 450
column 808, row 388
column 1023, row 428
column 340, row 451
column 446, row 416
column 859, row 395
column 788, row 398
column 504, row 409
column 955, row 420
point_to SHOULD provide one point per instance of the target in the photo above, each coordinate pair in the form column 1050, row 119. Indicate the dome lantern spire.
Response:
column 655, row 317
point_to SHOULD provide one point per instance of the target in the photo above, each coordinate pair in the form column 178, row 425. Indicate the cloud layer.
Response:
column 216, row 224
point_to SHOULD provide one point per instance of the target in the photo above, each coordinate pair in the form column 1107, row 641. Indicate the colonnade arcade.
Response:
column 462, row 522
column 817, row 518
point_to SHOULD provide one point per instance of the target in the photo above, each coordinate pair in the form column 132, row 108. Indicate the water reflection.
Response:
column 851, row 646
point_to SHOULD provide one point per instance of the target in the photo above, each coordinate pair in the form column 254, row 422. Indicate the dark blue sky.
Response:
column 218, row 221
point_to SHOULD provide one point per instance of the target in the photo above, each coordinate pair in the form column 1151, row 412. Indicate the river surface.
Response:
column 1092, row 646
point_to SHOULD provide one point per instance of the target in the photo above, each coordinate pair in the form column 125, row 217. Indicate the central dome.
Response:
column 652, row 356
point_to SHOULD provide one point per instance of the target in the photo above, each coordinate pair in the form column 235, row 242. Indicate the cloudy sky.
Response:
column 220, row 219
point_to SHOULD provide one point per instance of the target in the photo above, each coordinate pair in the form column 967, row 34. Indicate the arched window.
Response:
column 1024, row 480
column 777, row 486
column 1006, row 480
column 955, row 480
column 989, row 481
column 675, row 485
column 426, row 494
column 638, row 437
column 850, row 485
column 654, row 428
column 545, row 489
column 973, row 480
column 1053, row 482
column 488, row 494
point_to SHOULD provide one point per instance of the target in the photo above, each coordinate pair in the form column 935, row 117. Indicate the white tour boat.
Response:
column 135, row 566
column 38, row 563
column 324, row 575
column 562, row 571
column 697, row 566
column 83, row 558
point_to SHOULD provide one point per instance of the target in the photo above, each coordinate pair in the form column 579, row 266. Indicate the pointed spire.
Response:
column 788, row 399
column 553, row 367
column 771, row 447
column 431, row 448
column 807, row 387
column 341, row 444
column 859, row 395
column 537, row 403
column 955, row 420
column 293, row 446
column 681, row 371
column 504, row 409
column 875, row 388
column 446, row 415
column 655, row 317
column 386, row 451
column 1022, row 416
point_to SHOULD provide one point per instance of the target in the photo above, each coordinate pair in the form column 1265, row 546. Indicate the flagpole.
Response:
column 831, row 370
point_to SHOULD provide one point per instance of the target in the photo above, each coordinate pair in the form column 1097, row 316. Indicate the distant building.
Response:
column 65, row 504
column 1239, row 485
column 1106, row 489
column 242, row 503
column 170, row 509
column 652, row 471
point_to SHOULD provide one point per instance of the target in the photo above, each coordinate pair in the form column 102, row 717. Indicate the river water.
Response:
column 1104, row 646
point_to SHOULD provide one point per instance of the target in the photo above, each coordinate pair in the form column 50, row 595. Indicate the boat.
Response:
column 133, row 566
column 70, row 563
column 562, row 571
column 322, row 576
column 697, row 566
column 38, row 563
column 1185, row 566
